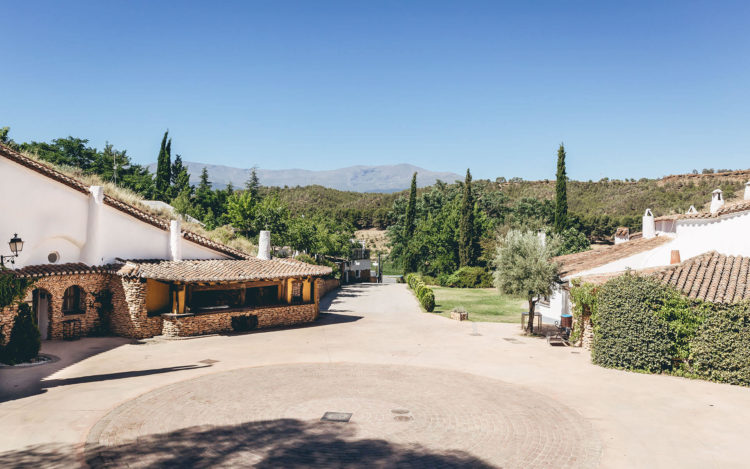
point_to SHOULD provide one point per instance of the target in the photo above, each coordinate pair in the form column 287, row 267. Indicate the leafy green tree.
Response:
column 302, row 234
column 410, row 226
column 523, row 267
column 467, row 244
column 272, row 215
column 241, row 212
column 561, row 193
column 163, row 169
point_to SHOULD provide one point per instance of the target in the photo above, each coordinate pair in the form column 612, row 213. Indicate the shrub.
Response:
column 469, row 277
column 424, row 294
column 627, row 332
column 306, row 258
column 720, row 350
column 25, row 340
column 244, row 323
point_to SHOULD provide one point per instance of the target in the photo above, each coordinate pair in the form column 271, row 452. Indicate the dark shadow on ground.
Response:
column 122, row 375
column 17, row 383
column 283, row 443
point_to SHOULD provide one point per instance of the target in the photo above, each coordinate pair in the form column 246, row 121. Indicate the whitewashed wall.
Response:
column 52, row 217
column 729, row 235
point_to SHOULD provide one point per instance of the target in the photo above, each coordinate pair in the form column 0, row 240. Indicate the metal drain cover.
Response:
column 336, row 417
column 208, row 361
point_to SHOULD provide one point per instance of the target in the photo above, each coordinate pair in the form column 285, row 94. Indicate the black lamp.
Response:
column 16, row 246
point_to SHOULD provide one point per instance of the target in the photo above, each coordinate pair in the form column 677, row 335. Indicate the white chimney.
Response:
column 747, row 190
column 90, row 254
column 717, row 200
column 264, row 245
column 649, row 227
column 175, row 240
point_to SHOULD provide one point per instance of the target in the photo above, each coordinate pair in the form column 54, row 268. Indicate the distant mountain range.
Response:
column 386, row 178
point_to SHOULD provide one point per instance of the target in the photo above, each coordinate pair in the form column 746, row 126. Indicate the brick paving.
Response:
column 401, row 416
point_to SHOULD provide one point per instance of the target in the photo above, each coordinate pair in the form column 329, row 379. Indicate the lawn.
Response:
column 483, row 304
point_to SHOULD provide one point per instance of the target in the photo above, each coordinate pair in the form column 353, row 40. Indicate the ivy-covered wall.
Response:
column 642, row 324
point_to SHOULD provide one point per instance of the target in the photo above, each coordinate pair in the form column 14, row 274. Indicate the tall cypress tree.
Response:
column 467, row 252
column 561, row 193
column 253, row 184
column 163, row 169
column 410, row 260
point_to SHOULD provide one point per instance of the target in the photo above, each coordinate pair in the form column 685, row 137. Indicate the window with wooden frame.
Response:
column 72, row 300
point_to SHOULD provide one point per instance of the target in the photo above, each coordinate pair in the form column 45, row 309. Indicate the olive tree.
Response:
column 523, row 267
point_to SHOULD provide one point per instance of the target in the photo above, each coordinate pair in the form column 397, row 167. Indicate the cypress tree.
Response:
column 163, row 169
column 561, row 192
column 466, row 239
column 25, row 341
column 410, row 226
column 253, row 184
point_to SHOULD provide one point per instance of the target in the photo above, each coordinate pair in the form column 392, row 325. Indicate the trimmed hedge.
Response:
column 469, row 277
column 25, row 340
column 627, row 333
column 721, row 348
column 424, row 294
column 642, row 324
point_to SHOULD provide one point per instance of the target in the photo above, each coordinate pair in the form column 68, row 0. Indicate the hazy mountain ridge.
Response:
column 385, row 178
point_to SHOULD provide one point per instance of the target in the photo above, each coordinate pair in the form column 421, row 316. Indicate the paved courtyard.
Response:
column 422, row 391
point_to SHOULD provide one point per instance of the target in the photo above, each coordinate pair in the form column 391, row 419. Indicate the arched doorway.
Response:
column 42, row 299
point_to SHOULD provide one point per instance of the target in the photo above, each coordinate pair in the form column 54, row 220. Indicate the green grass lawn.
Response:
column 483, row 304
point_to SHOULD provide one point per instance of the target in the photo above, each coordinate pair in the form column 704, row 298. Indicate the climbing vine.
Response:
column 12, row 288
column 583, row 297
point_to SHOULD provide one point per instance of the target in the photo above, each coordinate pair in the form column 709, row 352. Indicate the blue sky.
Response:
column 634, row 89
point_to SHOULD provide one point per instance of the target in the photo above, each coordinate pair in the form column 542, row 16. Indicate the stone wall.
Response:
column 328, row 285
column 586, row 339
column 130, row 318
column 185, row 325
column 90, row 284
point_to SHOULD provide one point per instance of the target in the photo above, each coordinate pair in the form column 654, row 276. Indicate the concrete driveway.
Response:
column 422, row 391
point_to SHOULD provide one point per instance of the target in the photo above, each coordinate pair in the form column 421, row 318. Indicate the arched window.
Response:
column 72, row 300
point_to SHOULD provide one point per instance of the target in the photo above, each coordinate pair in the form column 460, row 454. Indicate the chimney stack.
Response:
column 542, row 235
column 649, row 226
column 675, row 257
column 175, row 240
column 747, row 190
column 717, row 200
column 264, row 245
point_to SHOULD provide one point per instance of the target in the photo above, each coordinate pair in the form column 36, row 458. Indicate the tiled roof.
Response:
column 49, row 270
column 726, row 209
column 131, row 210
column 711, row 277
column 580, row 262
column 220, row 270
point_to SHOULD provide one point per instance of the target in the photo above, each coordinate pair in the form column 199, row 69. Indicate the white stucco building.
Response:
column 95, row 264
column 664, row 241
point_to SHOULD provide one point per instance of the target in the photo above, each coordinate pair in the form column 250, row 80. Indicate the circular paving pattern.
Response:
column 400, row 416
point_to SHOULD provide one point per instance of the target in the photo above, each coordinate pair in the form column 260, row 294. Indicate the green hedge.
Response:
column 627, row 333
column 469, row 277
column 424, row 294
column 642, row 324
column 720, row 350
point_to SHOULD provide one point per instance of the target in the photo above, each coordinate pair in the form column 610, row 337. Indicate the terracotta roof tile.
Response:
column 580, row 262
column 124, row 207
column 726, row 209
column 49, row 270
column 711, row 277
column 220, row 270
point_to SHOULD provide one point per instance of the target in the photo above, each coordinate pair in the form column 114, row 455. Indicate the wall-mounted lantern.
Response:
column 16, row 246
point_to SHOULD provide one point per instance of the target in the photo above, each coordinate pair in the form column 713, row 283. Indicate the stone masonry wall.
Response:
column 209, row 323
column 130, row 318
column 328, row 285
